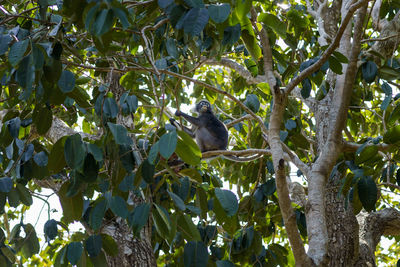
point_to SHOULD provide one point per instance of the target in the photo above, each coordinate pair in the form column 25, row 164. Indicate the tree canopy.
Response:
column 307, row 89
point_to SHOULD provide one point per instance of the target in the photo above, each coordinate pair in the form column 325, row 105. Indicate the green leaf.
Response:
column 103, row 22
column 252, row 102
column 93, row 245
column 6, row 184
column 366, row 154
column 161, row 221
column 50, row 229
column 187, row 149
column 228, row 201
column 5, row 40
column 340, row 57
column 72, row 206
column 13, row 198
column 369, row 71
column 178, row 201
column 66, row 81
column 138, row 218
column 97, row 214
column 167, row 144
column 274, row 23
column 368, row 193
column 219, row 13
column 187, row 228
column 335, row 65
column 385, row 103
column 394, row 115
column 25, row 75
column 90, row 169
column 195, row 254
column 195, row 21
column 31, row 243
column 147, row 170
column 231, row 34
column 110, row 108
column 306, row 90
column 42, row 117
column 171, row 48
column 194, row 3
column 118, row 206
column 122, row 16
column 74, row 151
column 120, row 134
column 109, row 245
column 13, row 126
column 388, row 73
column 392, row 135
column 41, row 159
column 74, row 252
column 24, row 195
column 95, row 151
column 252, row 44
column 56, row 157
column 17, row 52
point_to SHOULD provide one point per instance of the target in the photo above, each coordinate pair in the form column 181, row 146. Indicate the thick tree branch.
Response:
column 288, row 215
column 376, row 224
column 325, row 56
column 316, row 219
column 242, row 71
column 267, row 53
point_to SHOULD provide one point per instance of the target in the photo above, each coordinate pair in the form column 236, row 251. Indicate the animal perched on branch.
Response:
column 210, row 133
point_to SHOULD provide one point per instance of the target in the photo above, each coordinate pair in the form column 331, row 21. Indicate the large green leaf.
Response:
column 17, row 52
column 187, row 228
column 93, row 245
column 138, row 218
column 42, row 118
column 50, row 229
column 228, row 201
column 119, row 207
column 274, row 23
column 195, row 254
column 74, row 252
column 231, row 34
column 368, row 192
column 167, row 144
column 187, row 149
column 24, row 194
column 369, row 71
column 56, row 158
column 195, row 21
column 6, row 184
column 74, row 151
column 392, row 135
column 97, row 214
column 72, row 206
column 120, row 134
column 219, row 13
column 31, row 243
column 366, row 154
column 66, row 81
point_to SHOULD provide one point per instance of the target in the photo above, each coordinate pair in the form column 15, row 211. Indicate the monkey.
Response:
column 209, row 132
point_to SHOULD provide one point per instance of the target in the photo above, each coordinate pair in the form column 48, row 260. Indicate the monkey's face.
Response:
column 203, row 106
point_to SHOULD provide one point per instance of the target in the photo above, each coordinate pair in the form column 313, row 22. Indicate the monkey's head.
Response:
column 202, row 106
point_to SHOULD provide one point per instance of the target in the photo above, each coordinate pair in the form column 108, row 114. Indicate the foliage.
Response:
column 55, row 59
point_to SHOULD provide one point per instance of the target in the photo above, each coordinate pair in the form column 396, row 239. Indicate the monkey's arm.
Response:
column 179, row 126
column 194, row 121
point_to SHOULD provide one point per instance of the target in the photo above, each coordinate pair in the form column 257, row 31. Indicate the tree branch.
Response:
column 325, row 56
column 242, row 71
column 316, row 219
